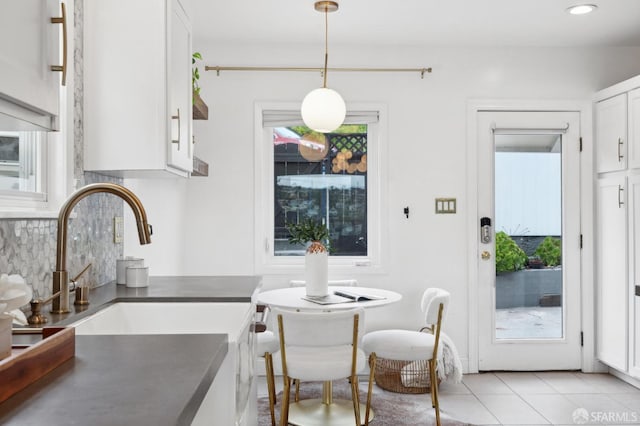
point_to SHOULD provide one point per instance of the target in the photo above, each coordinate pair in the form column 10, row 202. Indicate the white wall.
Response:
column 425, row 147
column 165, row 202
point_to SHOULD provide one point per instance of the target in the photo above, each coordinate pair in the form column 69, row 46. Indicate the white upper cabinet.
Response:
column 29, row 47
column 137, row 88
column 611, row 134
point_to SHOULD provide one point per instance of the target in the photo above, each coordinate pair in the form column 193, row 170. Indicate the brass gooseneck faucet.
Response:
column 60, row 304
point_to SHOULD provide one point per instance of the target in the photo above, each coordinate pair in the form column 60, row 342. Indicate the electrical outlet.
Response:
column 118, row 225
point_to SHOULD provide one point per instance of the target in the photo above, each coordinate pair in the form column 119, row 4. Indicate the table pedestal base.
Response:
column 312, row 412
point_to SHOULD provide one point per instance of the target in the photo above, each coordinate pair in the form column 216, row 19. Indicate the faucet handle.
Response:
column 77, row 277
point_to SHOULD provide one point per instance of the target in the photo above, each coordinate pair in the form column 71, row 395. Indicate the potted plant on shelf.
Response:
column 200, row 109
column 195, row 73
column 316, row 258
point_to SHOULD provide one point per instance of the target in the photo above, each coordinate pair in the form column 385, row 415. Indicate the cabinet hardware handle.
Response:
column 620, row 143
column 62, row 68
column 177, row 117
column 620, row 202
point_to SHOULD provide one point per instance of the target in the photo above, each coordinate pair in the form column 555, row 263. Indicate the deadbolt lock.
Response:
column 486, row 255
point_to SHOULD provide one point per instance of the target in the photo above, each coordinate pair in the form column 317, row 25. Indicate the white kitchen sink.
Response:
column 232, row 397
column 168, row 318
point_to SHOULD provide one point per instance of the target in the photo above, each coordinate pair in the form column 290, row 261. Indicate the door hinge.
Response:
column 581, row 241
column 580, row 143
column 581, row 338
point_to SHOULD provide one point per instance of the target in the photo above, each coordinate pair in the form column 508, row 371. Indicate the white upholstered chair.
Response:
column 320, row 346
column 408, row 345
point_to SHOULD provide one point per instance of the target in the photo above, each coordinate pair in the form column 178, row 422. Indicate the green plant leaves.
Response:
column 195, row 74
column 307, row 230
column 550, row 251
column 509, row 256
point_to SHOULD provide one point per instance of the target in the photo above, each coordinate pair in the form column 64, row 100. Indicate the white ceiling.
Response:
column 419, row 22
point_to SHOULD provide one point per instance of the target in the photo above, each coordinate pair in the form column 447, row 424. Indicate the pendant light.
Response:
column 323, row 109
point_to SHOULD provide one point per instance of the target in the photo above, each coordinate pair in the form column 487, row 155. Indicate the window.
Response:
column 322, row 177
column 333, row 178
column 22, row 168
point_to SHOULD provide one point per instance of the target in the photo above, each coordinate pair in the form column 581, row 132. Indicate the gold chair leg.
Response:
column 271, row 387
column 284, row 410
column 297, row 382
column 372, row 368
column 434, row 389
column 355, row 396
column 433, row 398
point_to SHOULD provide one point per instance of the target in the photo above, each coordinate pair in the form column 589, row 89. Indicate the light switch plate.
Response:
column 118, row 225
column 445, row 205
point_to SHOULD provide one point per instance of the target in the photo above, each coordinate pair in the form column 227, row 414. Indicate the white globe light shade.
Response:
column 323, row 110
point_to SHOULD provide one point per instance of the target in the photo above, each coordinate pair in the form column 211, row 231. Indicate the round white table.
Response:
column 292, row 298
column 325, row 410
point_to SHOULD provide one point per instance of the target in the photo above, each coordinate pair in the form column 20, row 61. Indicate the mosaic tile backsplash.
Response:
column 28, row 247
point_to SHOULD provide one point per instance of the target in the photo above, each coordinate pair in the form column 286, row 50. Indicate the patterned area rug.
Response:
column 391, row 409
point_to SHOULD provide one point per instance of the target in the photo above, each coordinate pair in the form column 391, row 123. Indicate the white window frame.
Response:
column 265, row 260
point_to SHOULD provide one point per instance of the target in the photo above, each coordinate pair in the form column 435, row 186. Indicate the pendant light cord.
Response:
column 326, row 45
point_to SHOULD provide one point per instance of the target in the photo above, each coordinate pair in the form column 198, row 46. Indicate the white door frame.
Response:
column 584, row 108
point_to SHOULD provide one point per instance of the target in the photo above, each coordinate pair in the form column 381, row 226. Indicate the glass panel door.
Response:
column 528, row 224
column 529, row 261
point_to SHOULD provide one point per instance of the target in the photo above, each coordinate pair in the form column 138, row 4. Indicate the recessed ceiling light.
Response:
column 582, row 9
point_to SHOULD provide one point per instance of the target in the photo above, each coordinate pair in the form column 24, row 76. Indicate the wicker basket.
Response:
column 389, row 374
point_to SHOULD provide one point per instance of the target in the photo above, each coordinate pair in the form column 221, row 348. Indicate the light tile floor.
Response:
column 540, row 398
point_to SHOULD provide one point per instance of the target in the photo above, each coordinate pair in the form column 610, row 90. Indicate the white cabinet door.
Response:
column 634, row 275
column 133, row 86
column 612, row 293
column 180, row 146
column 634, row 128
column 611, row 134
column 29, row 90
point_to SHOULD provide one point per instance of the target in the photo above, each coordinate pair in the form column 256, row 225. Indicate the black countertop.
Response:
column 126, row 380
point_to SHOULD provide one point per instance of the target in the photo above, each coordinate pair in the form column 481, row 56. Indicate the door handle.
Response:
column 62, row 68
column 620, row 143
column 177, row 117
column 620, row 201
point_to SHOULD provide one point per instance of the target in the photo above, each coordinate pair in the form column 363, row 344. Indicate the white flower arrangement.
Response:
column 14, row 293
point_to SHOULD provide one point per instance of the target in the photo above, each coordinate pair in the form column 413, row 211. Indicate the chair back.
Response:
column 435, row 302
column 320, row 329
column 431, row 300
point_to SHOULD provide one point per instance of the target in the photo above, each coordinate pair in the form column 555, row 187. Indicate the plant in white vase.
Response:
column 316, row 258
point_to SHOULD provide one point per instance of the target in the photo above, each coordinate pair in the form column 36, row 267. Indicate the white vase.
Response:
column 5, row 336
column 316, row 269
